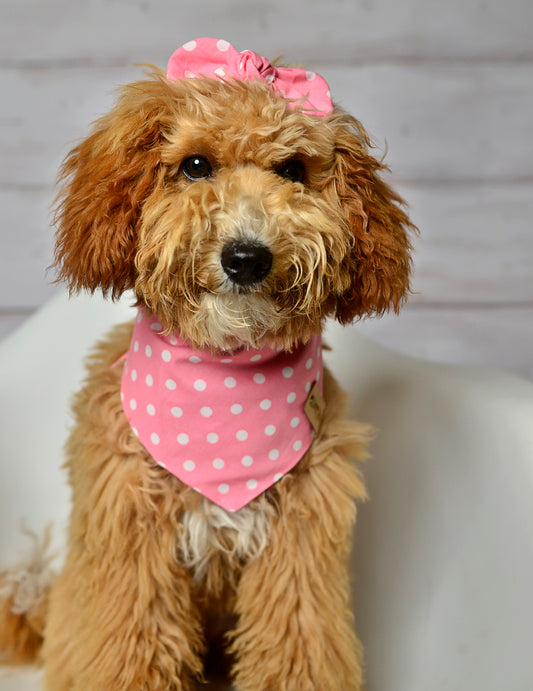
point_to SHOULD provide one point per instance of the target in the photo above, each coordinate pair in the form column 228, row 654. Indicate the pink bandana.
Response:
column 211, row 57
column 228, row 425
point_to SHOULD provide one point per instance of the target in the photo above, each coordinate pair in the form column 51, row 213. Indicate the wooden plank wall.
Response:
column 445, row 87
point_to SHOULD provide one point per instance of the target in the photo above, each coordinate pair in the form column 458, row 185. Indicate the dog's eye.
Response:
column 292, row 170
column 196, row 168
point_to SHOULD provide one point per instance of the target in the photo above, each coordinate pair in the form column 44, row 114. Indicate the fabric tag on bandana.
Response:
column 228, row 425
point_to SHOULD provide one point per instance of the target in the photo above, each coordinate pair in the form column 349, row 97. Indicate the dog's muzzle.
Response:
column 246, row 263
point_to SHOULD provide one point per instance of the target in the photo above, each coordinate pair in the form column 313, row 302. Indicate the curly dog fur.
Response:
column 152, row 566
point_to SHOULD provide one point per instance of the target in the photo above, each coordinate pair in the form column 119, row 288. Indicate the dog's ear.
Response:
column 380, row 261
column 105, row 180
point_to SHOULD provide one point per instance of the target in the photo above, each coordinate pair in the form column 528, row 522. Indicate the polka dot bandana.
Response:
column 228, row 425
column 218, row 59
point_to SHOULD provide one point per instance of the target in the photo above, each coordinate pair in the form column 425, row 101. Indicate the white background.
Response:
column 446, row 87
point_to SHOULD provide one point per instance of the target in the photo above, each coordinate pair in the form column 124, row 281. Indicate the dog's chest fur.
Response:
column 240, row 535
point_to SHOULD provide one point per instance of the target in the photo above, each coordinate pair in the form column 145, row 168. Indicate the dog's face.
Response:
column 234, row 218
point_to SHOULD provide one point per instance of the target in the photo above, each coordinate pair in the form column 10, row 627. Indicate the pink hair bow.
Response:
column 211, row 57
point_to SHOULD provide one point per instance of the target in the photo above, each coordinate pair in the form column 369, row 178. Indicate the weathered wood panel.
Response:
column 27, row 242
column 439, row 123
column 475, row 244
column 344, row 31
column 445, row 123
column 447, row 86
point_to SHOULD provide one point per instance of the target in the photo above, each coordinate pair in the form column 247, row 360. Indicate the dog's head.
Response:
column 235, row 216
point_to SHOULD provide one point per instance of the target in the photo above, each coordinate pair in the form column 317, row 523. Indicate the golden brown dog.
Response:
column 176, row 172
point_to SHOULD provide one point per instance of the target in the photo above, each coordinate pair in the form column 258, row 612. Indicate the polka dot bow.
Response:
column 211, row 57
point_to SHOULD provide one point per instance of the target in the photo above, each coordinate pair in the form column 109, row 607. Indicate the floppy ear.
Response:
column 380, row 263
column 105, row 180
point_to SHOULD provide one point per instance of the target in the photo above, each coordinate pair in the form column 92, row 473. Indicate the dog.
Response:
column 211, row 463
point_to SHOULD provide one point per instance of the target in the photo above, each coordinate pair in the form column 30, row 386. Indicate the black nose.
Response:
column 246, row 262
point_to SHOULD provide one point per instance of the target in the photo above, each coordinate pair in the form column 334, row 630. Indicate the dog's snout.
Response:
column 246, row 263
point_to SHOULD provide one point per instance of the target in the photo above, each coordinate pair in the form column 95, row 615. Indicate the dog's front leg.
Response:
column 121, row 616
column 295, row 628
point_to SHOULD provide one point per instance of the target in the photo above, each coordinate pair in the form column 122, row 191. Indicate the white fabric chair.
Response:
column 443, row 560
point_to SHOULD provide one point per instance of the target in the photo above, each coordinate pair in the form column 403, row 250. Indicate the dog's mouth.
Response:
column 233, row 320
column 241, row 310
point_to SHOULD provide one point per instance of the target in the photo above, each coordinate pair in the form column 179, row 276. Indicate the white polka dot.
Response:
column 273, row 455
column 195, row 359
column 170, row 384
column 190, row 46
column 218, row 463
column 265, row 404
column 148, row 351
column 166, row 355
column 230, row 382
column 189, row 75
column 173, row 340
column 183, row 438
column 189, row 466
column 161, row 464
column 308, row 387
column 277, row 477
column 242, row 435
column 297, row 445
column 220, row 72
column 328, row 94
column 295, row 422
column 212, row 438
column 156, row 326
column 139, row 318
column 176, row 412
column 259, row 378
column 155, row 438
column 291, row 398
column 270, row 430
column 247, row 461
column 251, row 484
column 222, row 45
column 287, row 372
column 133, row 375
column 256, row 358
column 310, row 76
column 200, row 385
column 317, row 376
column 236, row 408
column 309, row 363
column 206, row 411
column 150, row 409
column 149, row 380
column 226, row 360
column 135, row 431
column 269, row 78
column 136, row 346
column 223, row 488
column 133, row 404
